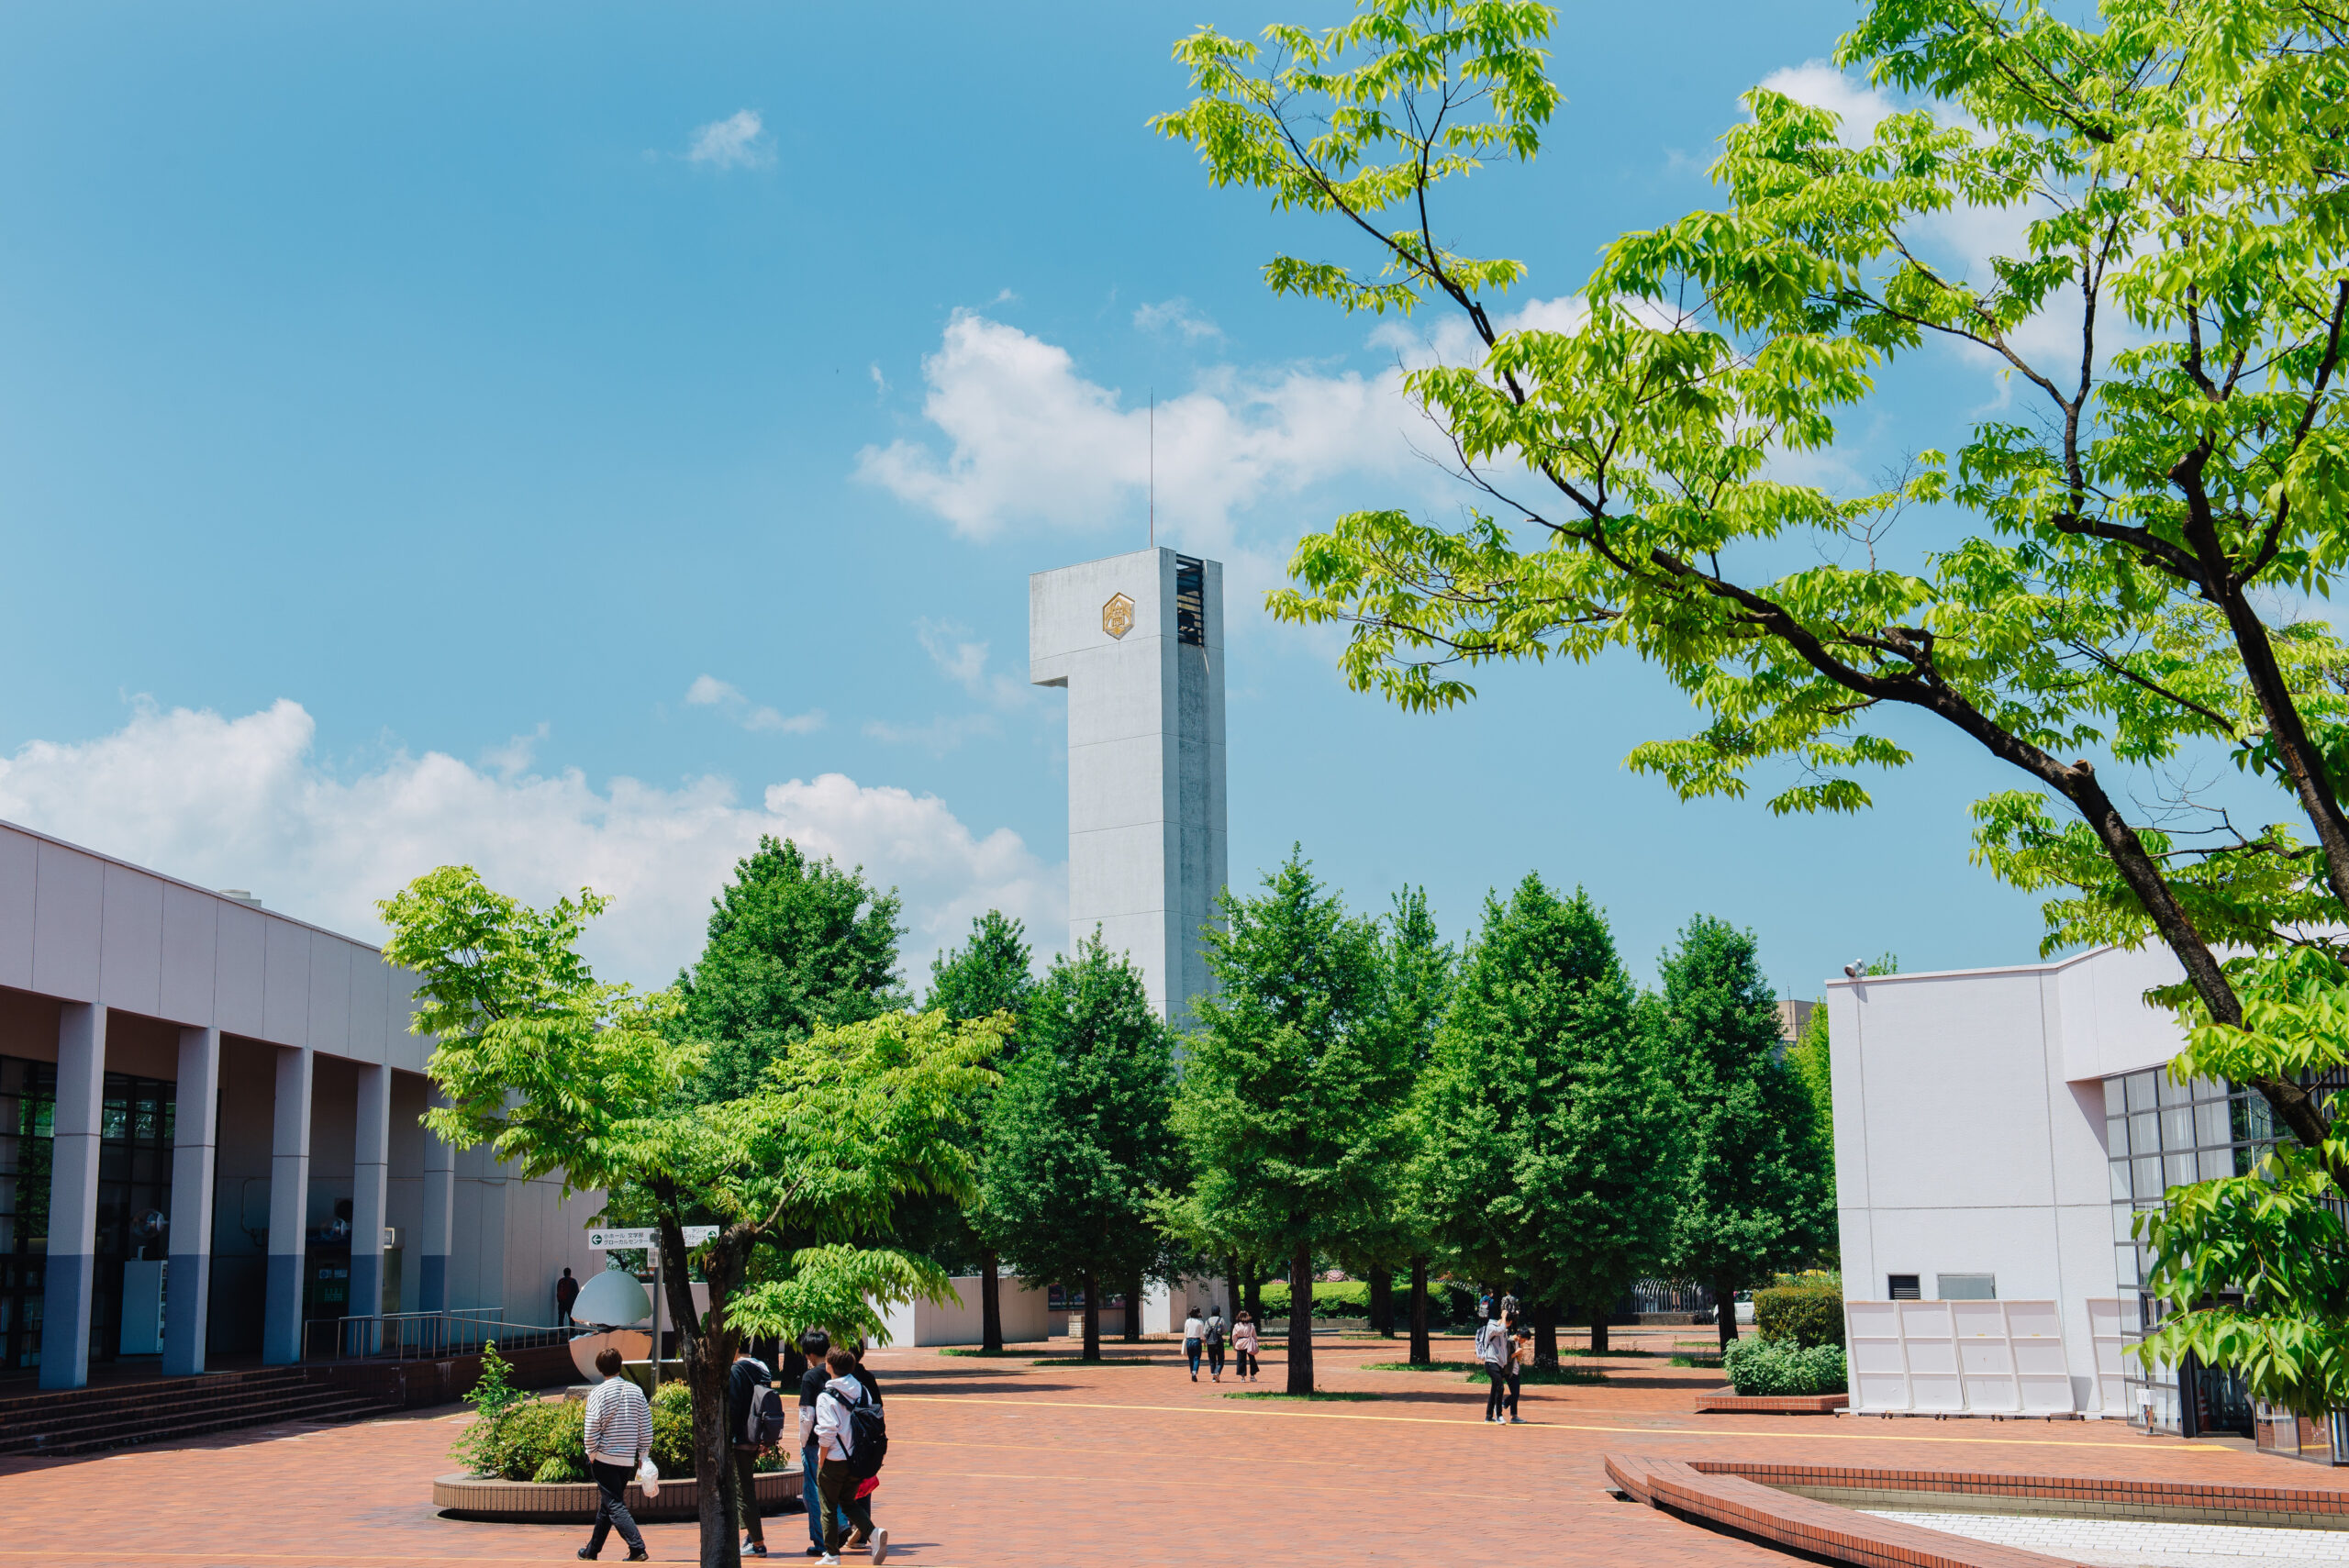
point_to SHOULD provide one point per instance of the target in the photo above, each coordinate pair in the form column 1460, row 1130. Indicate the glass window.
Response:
column 2212, row 1126
column 2121, row 1181
column 2177, row 1128
column 2122, row 1231
column 2173, row 1092
column 2141, row 1091
column 2217, row 1163
column 2144, row 1134
column 2179, row 1170
column 2116, row 1136
column 2124, row 1267
column 2149, row 1178
column 2115, row 1098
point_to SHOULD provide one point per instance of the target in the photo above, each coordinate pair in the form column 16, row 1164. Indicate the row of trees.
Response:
column 1520, row 1113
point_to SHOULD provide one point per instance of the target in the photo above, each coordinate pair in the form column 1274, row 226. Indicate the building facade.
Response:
column 210, row 1134
column 1137, row 640
column 1997, row 1133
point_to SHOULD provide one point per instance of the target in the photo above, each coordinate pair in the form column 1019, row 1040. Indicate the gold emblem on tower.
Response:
column 1117, row 615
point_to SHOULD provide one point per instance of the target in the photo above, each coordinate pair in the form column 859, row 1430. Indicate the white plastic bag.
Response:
column 648, row 1475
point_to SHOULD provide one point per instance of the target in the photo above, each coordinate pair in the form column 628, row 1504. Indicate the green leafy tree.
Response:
column 793, row 944
column 1754, row 1198
column 1291, row 1098
column 1419, row 978
column 2124, row 560
column 990, row 975
column 1077, row 1140
column 1541, row 1161
column 559, row 1074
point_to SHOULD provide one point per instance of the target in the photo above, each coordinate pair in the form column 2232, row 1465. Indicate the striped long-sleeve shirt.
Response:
column 620, row 1423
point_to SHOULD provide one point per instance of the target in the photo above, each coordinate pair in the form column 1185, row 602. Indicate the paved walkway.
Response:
column 1003, row 1462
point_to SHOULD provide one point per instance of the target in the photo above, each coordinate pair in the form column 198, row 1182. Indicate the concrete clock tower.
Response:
column 1138, row 641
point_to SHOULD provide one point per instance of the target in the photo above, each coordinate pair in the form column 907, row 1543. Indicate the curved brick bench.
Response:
column 573, row 1502
column 1812, row 1508
column 1728, row 1400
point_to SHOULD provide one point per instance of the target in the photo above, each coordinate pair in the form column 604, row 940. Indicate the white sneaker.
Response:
column 829, row 1558
column 880, row 1543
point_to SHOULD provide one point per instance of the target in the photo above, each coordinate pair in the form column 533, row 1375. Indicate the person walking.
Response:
column 566, row 1291
column 1243, row 1345
column 815, row 1345
column 1214, row 1339
column 619, row 1436
column 1194, row 1331
column 1521, row 1353
column 871, row 1484
column 835, row 1441
column 1492, row 1354
column 746, row 1381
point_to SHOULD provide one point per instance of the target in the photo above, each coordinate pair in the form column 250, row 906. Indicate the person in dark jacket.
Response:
column 566, row 1291
column 745, row 1382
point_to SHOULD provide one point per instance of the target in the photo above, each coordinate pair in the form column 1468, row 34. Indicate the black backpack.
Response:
column 1214, row 1333
column 869, row 1438
column 763, row 1427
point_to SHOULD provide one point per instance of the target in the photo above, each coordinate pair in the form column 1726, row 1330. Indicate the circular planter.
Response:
column 573, row 1502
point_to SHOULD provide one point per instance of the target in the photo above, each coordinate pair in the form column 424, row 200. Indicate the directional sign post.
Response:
column 610, row 1240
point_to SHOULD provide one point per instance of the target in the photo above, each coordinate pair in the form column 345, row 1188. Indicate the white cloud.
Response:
column 246, row 803
column 1176, row 316
column 708, row 691
column 962, row 659
column 1032, row 441
column 735, row 142
column 1858, row 107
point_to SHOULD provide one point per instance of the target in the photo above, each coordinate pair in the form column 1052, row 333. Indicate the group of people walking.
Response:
column 840, row 1403
column 1504, row 1348
column 1206, row 1336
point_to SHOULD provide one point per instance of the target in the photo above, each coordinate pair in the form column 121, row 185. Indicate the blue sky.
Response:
column 577, row 438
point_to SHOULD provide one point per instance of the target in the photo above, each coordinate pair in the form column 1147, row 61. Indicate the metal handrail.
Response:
column 422, row 1336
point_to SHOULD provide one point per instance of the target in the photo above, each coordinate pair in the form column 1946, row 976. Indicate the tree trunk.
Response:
column 1232, row 1282
column 1381, row 1300
column 1545, row 1332
column 1725, row 1299
column 990, row 1303
column 1599, row 1312
column 1133, row 1309
column 1420, row 1351
column 1256, row 1294
column 1091, row 1320
column 1300, row 1320
column 707, row 1351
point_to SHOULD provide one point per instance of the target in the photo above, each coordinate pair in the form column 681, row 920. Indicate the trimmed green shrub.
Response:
column 1332, row 1298
column 1781, row 1367
column 522, row 1438
column 1808, row 1318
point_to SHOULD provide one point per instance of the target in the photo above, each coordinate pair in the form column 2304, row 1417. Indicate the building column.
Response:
column 289, row 1204
column 187, row 1279
column 371, row 1172
column 70, row 1271
column 439, row 1217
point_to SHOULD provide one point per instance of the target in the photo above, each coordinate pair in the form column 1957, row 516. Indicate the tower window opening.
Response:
column 1190, row 601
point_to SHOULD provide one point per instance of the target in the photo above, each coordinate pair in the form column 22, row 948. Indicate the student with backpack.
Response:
column 1214, row 1339
column 754, row 1416
column 851, row 1439
column 1492, row 1354
column 815, row 1344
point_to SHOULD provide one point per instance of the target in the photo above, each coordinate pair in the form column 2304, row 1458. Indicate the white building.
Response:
column 1137, row 643
column 1995, row 1130
column 210, row 1136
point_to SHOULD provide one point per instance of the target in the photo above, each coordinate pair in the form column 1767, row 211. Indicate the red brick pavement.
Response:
column 1000, row 1462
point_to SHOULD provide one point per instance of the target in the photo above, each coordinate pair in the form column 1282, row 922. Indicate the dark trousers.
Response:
column 1191, row 1354
column 1215, row 1361
column 1495, row 1395
column 1515, row 1377
column 810, row 1495
column 1245, row 1366
column 611, row 1508
column 746, row 1493
column 836, row 1487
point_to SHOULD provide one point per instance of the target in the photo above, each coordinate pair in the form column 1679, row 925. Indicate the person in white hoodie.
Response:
column 835, row 1440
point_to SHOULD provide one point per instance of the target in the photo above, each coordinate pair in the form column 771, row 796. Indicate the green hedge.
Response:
column 1779, row 1367
column 1807, row 1317
column 1332, row 1298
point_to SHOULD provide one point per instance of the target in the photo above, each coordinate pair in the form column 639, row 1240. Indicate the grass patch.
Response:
column 1714, row 1362
column 975, row 1350
column 1105, row 1361
column 1418, row 1366
column 1537, row 1375
column 1344, row 1395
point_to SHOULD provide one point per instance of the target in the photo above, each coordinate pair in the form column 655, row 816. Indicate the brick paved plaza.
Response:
column 1005, row 1462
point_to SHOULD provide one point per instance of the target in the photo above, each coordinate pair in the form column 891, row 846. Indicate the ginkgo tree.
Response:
column 2116, row 570
column 562, row 1075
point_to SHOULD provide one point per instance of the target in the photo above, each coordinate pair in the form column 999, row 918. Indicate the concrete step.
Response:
column 61, row 1431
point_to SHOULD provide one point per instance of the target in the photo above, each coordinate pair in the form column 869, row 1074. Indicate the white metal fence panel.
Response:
column 1957, row 1357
